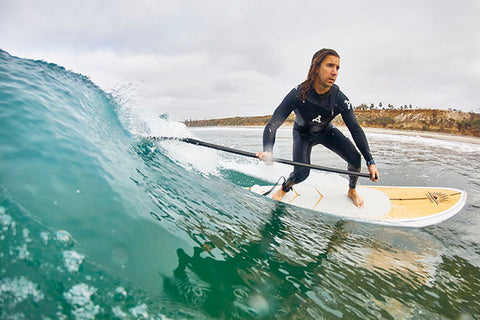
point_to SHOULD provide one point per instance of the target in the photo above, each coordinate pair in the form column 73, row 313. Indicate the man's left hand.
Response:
column 374, row 175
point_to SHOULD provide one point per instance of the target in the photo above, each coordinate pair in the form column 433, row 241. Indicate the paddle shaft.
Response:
column 253, row 155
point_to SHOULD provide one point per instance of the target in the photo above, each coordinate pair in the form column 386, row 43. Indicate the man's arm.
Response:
column 279, row 116
column 359, row 137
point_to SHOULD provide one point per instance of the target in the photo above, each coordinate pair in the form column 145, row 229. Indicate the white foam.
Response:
column 200, row 158
column 161, row 126
column 26, row 235
column 63, row 236
column 72, row 260
column 457, row 146
column 44, row 235
column 136, row 115
column 23, row 253
column 259, row 304
column 140, row 311
column 7, row 222
column 19, row 289
column 79, row 296
column 120, row 293
column 118, row 313
column 146, row 123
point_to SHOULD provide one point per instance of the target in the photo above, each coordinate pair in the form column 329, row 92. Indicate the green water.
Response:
column 97, row 222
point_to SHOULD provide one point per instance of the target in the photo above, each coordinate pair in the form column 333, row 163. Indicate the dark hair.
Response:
column 317, row 60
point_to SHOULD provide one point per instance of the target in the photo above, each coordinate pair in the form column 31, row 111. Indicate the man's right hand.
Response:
column 265, row 156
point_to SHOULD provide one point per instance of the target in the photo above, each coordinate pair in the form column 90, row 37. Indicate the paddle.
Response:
column 252, row 155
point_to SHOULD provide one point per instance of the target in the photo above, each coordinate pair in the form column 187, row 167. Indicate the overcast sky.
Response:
column 203, row 59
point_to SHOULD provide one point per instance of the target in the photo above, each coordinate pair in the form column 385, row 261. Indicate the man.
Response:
column 316, row 102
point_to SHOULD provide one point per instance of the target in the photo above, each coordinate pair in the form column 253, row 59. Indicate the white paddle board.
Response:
column 396, row 206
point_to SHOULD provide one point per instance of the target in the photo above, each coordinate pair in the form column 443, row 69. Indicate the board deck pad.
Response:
column 401, row 206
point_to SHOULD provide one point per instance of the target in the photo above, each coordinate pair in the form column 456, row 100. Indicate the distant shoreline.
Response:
column 422, row 122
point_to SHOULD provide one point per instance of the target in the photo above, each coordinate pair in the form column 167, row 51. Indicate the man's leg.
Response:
column 336, row 141
column 302, row 149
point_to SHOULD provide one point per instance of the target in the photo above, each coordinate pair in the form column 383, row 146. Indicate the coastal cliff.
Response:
column 431, row 120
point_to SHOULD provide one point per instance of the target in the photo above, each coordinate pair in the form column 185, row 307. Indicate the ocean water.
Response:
column 99, row 222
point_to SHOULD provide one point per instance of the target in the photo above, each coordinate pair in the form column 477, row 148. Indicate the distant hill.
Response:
column 444, row 121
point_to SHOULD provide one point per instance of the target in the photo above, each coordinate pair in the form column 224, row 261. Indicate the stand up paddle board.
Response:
column 394, row 206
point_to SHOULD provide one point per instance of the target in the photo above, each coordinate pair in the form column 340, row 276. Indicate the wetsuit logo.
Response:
column 318, row 119
column 348, row 103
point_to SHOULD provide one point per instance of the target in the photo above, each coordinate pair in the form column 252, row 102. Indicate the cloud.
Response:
column 213, row 59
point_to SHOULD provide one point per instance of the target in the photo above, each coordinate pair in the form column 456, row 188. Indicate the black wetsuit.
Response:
column 313, row 125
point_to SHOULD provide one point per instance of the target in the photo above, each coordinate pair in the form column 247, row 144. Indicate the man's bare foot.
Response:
column 353, row 194
column 279, row 195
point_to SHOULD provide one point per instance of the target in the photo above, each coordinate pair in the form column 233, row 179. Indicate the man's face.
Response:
column 328, row 72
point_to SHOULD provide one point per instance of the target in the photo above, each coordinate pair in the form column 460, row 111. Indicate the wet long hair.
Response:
column 317, row 60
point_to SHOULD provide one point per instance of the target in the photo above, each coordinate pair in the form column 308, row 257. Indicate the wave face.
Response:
column 99, row 222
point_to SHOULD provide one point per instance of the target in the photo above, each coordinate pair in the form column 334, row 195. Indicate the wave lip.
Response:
column 70, row 164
